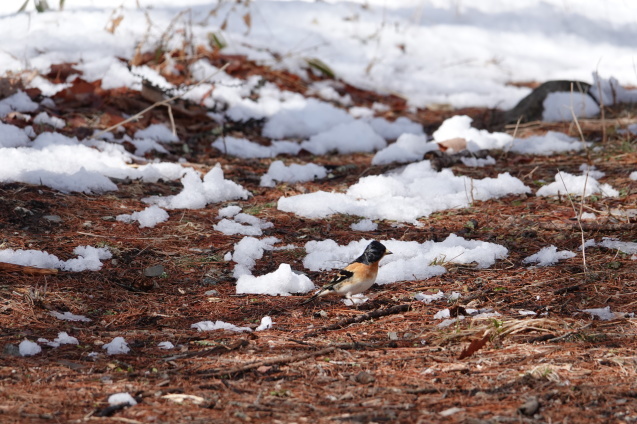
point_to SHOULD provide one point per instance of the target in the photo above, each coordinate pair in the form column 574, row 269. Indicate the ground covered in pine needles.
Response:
column 385, row 361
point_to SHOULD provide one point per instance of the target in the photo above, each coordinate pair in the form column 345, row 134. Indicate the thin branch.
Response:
column 266, row 362
column 7, row 267
column 160, row 103
column 578, row 215
column 570, row 333
column 360, row 318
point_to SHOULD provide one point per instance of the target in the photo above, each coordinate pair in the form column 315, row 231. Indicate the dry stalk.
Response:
column 576, row 121
column 578, row 215
column 602, row 112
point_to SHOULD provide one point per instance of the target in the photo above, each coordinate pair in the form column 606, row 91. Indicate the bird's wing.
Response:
column 342, row 275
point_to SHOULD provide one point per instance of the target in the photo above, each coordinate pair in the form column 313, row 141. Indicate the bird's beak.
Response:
column 387, row 252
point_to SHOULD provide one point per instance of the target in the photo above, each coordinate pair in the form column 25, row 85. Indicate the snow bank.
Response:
column 284, row 281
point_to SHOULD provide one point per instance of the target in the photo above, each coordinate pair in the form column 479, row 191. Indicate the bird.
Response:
column 356, row 277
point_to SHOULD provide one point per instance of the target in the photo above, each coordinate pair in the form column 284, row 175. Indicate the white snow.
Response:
column 608, row 91
column 243, row 148
column 219, row 325
column 462, row 64
column 428, row 298
column 624, row 246
column 121, row 398
column 147, row 218
column 592, row 171
column 548, row 256
column 355, row 299
column 157, row 132
column 547, row 144
column 283, row 281
column 393, row 130
column 117, row 346
column 266, row 324
column 67, row 316
column 18, row 102
column 603, row 314
column 304, row 118
column 29, row 348
column 165, row 345
column 575, row 184
column 62, row 338
column 197, row 193
column 229, row 211
column 89, row 258
column 247, row 251
column 409, row 260
column 68, row 165
column 442, row 314
column 295, row 173
column 349, row 137
column 478, row 162
column 364, row 225
column 460, row 126
column 564, row 106
column 244, row 224
column 407, row 148
column 403, row 195
column 633, row 176
column 12, row 136
column 44, row 118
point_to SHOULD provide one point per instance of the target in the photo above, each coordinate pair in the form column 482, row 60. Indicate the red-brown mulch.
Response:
column 560, row 365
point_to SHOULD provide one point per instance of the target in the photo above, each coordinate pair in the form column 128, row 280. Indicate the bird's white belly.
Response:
column 355, row 288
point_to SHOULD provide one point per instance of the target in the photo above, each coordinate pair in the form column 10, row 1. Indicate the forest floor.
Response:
column 392, row 364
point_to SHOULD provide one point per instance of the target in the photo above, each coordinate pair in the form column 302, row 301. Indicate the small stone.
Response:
column 392, row 335
column 154, row 271
column 208, row 281
column 19, row 210
column 108, row 218
column 211, row 293
column 364, row 377
column 11, row 350
column 53, row 218
column 530, row 407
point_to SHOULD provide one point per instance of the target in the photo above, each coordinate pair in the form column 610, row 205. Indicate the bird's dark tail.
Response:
column 310, row 299
column 314, row 297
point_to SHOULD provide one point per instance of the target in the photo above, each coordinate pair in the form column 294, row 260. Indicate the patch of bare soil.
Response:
column 387, row 361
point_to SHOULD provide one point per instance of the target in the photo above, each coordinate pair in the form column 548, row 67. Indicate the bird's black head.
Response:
column 374, row 252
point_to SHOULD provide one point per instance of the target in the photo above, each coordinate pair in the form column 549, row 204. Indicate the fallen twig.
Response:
column 360, row 318
column 6, row 267
column 206, row 352
column 569, row 334
column 266, row 362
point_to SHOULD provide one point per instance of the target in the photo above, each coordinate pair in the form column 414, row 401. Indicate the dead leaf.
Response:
column 247, row 19
column 452, row 145
column 181, row 398
column 112, row 25
column 474, row 346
